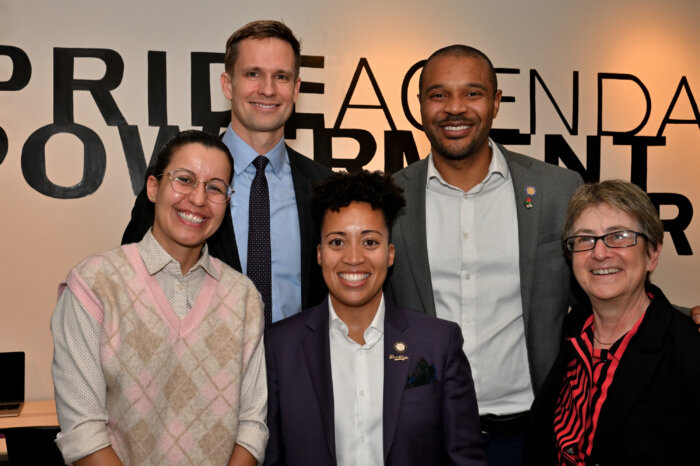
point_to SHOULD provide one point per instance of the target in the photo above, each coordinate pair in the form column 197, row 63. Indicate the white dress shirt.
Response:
column 474, row 265
column 358, row 391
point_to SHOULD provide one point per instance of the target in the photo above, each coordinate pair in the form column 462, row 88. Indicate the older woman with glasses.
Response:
column 158, row 354
column 625, row 388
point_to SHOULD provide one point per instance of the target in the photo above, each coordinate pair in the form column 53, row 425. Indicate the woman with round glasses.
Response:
column 625, row 388
column 158, row 353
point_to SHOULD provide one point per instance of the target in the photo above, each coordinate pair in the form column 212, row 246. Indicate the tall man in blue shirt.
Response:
column 261, row 79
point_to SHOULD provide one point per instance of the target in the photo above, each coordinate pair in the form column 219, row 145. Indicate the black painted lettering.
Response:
column 324, row 149
column 313, row 121
column 4, row 144
column 34, row 161
column 510, row 137
column 404, row 94
column 396, row 145
column 621, row 77
column 556, row 148
column 157, row 89
column 676, row 226
column 639, row 145
column 21, row 68
column 64, row 84
column 312, row 61
column 573, row 126
column 202, row 113
column 363, row 65
column 134, row 153
column 506, row 98
column 694, row 105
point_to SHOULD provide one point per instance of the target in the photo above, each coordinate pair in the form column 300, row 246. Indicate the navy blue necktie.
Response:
column 259, row 267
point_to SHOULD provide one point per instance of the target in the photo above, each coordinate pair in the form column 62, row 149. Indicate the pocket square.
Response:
column 424, row 374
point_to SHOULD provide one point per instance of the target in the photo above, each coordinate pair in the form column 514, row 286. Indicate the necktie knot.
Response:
column 260, row 162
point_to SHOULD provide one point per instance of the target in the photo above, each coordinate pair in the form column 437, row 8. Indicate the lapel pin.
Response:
column 399, row 347
column 530, row 192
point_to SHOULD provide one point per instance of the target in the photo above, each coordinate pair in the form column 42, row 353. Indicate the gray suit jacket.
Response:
column 545, row 275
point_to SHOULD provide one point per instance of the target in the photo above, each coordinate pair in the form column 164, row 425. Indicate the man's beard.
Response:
column 457, row 153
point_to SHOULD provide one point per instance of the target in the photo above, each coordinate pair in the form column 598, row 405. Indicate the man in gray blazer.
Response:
column 479, row 243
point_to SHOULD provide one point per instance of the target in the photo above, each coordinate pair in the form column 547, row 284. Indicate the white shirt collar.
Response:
column 376, row 328
column 498, row 171
column 243, row 154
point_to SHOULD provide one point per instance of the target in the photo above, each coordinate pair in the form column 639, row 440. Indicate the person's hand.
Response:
column 242, row 457
column 695, row 314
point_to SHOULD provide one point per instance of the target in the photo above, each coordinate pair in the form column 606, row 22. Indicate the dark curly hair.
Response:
column 341, row 188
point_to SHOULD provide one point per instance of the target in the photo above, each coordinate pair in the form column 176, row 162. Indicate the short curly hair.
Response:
column 340, row 189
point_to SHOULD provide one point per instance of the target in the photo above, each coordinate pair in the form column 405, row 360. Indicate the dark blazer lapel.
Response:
column 395, row 370
column 318, row 358
column 637, row 368
column 302, row 192
column 222, row 244
column 306, row 172
column 414, row 236
column 528, row 221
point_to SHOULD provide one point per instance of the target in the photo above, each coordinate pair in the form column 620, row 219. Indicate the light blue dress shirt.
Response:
column 284, row 220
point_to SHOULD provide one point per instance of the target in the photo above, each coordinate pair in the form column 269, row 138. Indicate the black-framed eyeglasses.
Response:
column 616, row 239
column 184, row 182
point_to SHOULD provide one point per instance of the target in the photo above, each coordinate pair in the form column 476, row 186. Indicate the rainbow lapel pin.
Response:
column 530, row 193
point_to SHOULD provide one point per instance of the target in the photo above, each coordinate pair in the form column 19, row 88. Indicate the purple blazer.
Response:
column 436, row 423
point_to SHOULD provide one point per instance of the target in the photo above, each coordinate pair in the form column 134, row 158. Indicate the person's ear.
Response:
column 653, row 254
column 226, row 86
column 152, row 185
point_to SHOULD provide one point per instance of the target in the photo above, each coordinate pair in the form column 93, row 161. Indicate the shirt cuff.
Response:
column 253, row 436
column 84, row 439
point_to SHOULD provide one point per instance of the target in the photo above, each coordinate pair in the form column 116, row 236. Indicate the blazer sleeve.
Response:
column 274, row 453
column 305, row 174
column 462, row 428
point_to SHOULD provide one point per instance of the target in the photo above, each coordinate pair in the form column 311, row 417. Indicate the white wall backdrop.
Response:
column 616, row 51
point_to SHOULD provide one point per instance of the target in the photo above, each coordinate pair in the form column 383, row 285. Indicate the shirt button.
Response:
column 468, row 319
column 467, row 276
column 362, row 438
column 466, row 235
column 465, row 196
column 181, row 287
column 362, row 393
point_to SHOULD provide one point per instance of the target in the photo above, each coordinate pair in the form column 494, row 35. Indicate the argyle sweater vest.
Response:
column 172, row 384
